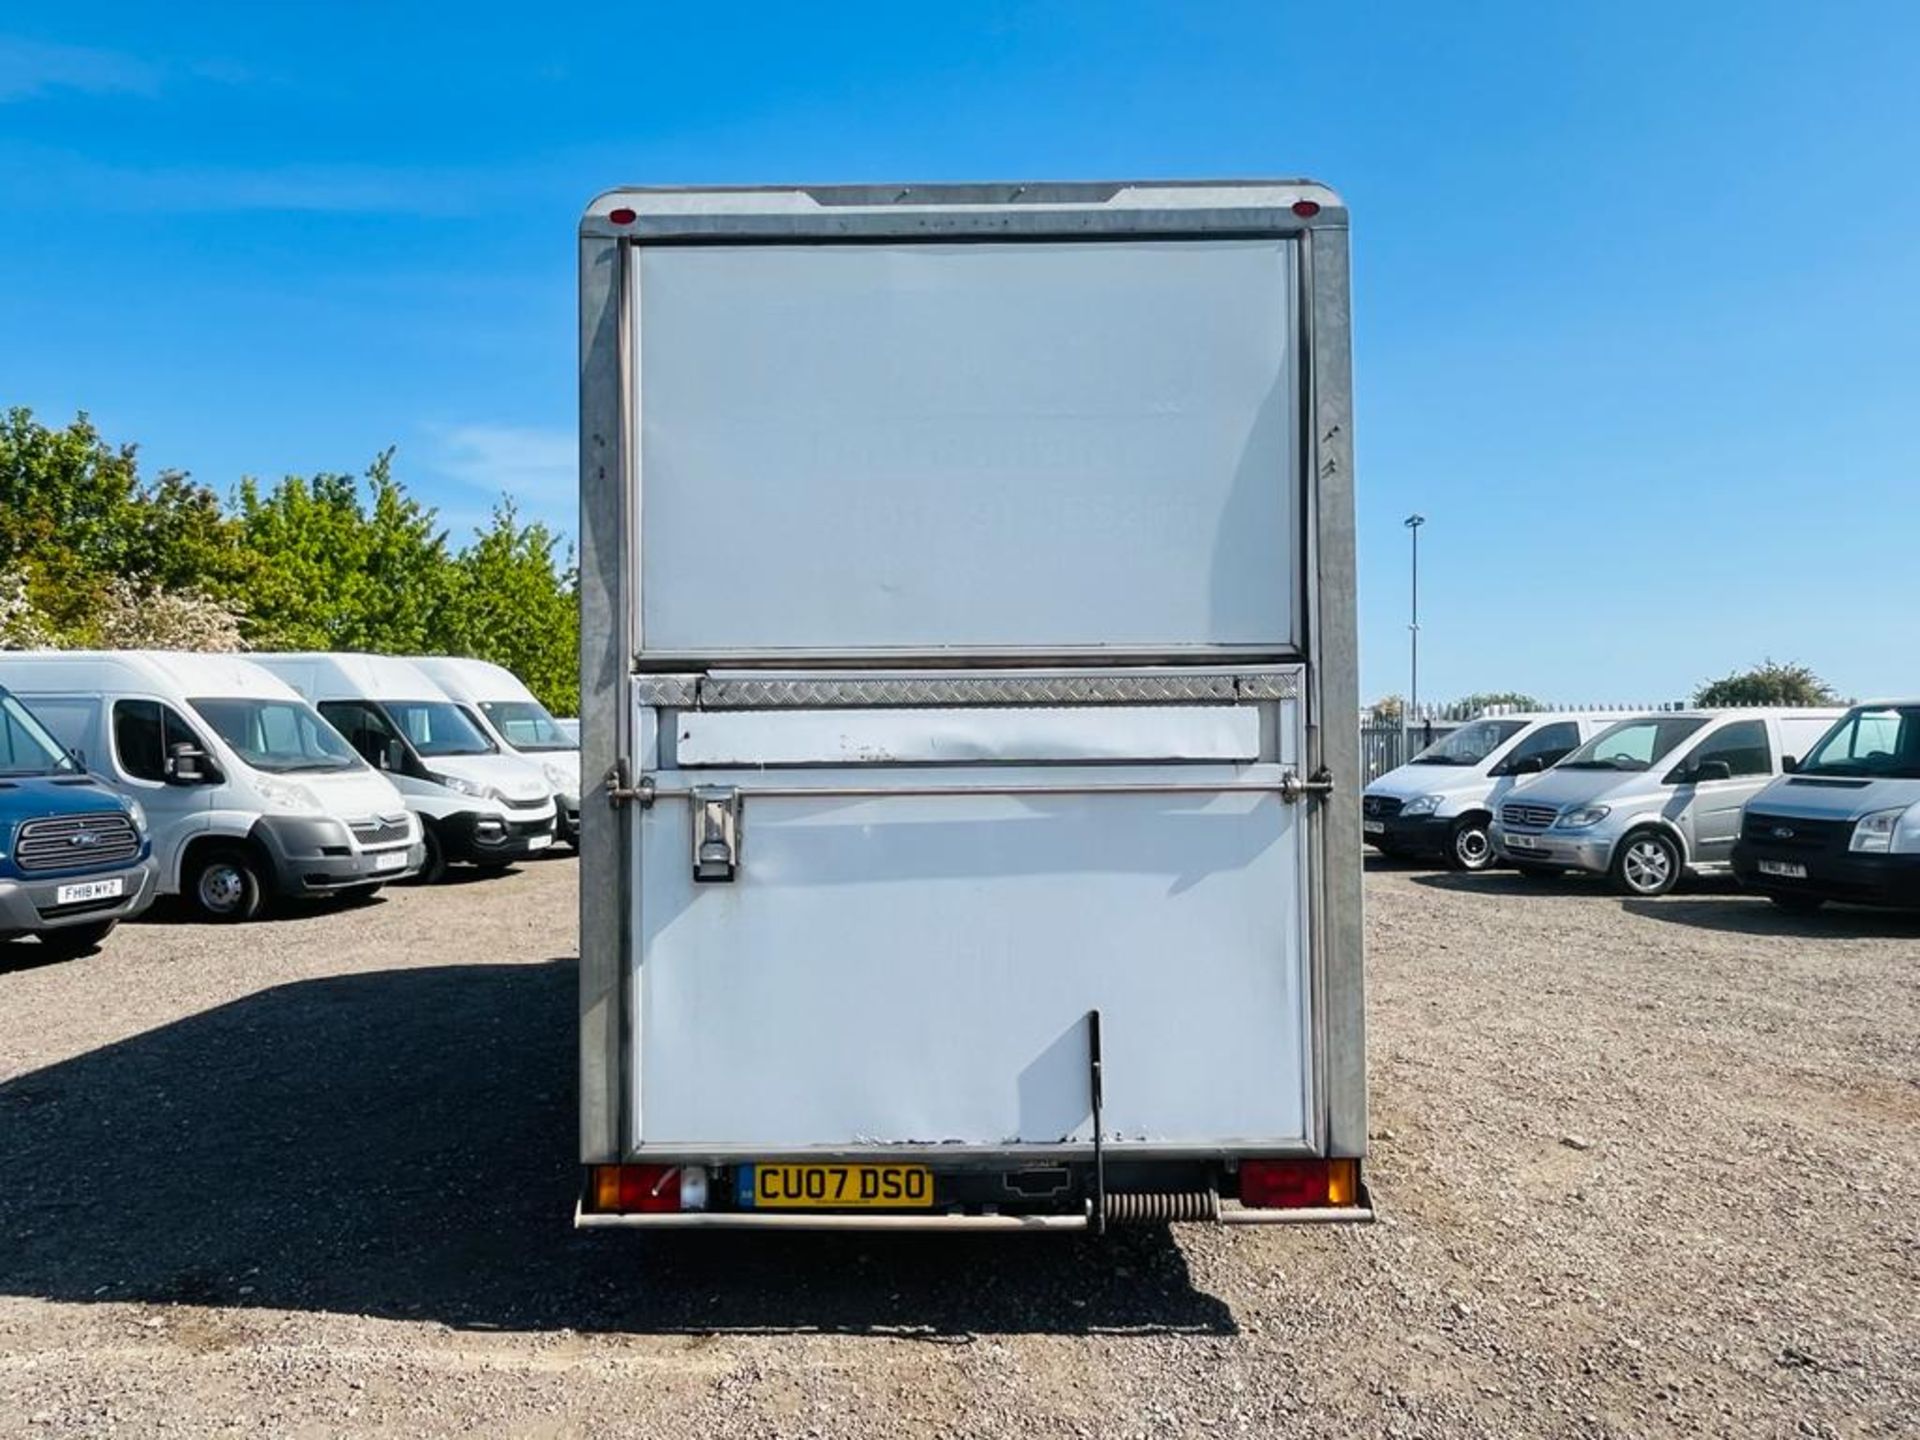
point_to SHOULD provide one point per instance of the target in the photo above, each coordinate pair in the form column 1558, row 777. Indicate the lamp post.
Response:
column 1413, row 524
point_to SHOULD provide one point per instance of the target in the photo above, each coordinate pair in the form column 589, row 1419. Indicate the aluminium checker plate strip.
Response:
column 706, row 692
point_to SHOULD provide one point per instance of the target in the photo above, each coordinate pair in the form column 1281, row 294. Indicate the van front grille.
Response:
column 1784, row 832
column 76, row 842
column 1520, row 816
column 380, row 830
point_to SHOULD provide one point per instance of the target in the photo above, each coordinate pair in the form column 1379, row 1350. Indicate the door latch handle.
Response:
column 1293, row 789
column 716, row 832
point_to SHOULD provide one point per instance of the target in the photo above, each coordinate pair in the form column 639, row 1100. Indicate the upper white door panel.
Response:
column 1072, row 446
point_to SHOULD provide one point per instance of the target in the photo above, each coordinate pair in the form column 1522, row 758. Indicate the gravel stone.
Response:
column 314, row 1176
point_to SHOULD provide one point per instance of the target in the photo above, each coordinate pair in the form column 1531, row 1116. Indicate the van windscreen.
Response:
column 1632, row 744
column 526, row 725
column 437, row 727
column 26, row 748
column 277, row 736
column 1880, row 742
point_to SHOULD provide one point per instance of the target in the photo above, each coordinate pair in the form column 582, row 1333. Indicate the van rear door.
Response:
column 866, row 925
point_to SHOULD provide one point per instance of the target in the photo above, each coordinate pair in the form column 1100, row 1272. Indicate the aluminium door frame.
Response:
column 1325, row 630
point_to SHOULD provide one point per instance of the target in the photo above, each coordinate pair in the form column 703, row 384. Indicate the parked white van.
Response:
column 478, row 804
column 1846, row 824
column 1653, row 798
column 1441, row 802
column 495, row 699
column 248, row 792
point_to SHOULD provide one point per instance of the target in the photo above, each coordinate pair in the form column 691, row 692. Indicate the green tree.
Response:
column 345, row 567
column 64, row 496
column 1768, row 683
column 514, row 605
column 180, row 537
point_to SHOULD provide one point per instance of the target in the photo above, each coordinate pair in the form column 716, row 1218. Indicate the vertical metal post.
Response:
column 1413, row 524
column 1096, row 1087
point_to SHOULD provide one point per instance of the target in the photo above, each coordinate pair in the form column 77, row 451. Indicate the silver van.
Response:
column 1653, row 798
column 1441, row 802
column 1846, row 825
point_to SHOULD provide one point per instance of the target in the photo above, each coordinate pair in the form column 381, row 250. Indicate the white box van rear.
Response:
column 970, row 836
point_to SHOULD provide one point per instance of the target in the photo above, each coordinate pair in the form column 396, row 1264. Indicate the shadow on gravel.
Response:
column 1512, row 883
column 1373, row 861
column 1739, row 914
column 400, row 1144
column 16, row 955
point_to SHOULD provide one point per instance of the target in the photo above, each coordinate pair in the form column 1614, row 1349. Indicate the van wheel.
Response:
column 433, row 869
column 1798, row 904
column 1469, row 847
column 1646, row 864
column 72, row 941
column 226, row 885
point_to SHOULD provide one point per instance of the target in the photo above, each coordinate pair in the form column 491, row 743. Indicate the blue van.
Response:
column 74, row 856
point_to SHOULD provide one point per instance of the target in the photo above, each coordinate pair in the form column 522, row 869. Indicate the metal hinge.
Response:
column 1293, row 789
column 620, row 793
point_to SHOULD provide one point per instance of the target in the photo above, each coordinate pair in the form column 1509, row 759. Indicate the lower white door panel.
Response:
column 919, row 968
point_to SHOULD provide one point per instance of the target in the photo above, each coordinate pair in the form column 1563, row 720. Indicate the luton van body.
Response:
column 971, row 829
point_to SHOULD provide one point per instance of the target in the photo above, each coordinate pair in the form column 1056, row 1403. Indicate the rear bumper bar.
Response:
column 1004, row 1224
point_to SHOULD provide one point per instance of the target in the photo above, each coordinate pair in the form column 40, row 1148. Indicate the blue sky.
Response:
column 1637, row 286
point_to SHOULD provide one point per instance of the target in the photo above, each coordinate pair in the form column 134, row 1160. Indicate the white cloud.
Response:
column 536, row 467
column 34, row 67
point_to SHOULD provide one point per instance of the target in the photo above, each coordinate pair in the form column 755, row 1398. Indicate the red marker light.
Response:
column 624, row 216
column 1305, row 209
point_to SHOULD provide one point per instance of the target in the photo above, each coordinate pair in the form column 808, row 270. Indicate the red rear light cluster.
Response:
column 1299, row 1184
column 633, row 1189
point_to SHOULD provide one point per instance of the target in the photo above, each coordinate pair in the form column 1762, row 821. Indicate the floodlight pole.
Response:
column 1413, row 524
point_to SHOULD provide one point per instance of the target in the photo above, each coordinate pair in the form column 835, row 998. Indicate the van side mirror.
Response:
column 186, row 764
column 1525, row 765
column 1790, row 764
column 77, row 756
column 1712, row 770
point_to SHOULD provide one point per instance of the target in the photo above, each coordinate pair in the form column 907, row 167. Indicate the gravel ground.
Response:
column 1643, row 1168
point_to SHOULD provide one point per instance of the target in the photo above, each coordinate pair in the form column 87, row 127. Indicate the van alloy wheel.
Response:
column 1648, row 864
column 1470, row 847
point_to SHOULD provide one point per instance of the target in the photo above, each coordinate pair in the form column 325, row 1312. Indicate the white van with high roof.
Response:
column 478, row 803
column 1441, row 803
column 1655, row 797
column 249, row 794
column 500, row 703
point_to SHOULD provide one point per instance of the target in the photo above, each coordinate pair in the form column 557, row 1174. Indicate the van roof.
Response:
column 1741, row 712
column 468, row 679
column 1530, row 716
column 351, row 675
column 184, row 674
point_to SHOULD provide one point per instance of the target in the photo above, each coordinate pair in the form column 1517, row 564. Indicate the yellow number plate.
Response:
column 838, row 1187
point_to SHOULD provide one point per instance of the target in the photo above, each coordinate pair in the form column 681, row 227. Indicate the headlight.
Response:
column 1873, row 835
column 287, row 795
column 137, row 813
column 1585, row 817
column 459, row 786
column 1422, row 805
